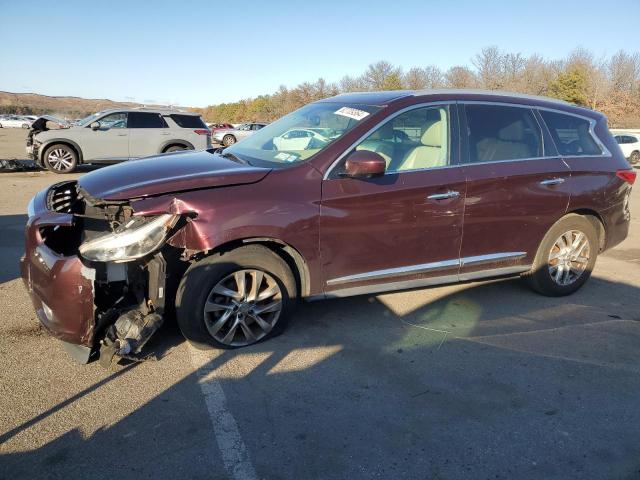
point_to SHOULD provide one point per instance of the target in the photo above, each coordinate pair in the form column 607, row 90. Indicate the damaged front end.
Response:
column 112, row 260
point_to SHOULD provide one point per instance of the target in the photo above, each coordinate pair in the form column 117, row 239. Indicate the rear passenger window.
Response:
column 188, row 121
column 146, row 120
column 571, row 134
column 502, row 133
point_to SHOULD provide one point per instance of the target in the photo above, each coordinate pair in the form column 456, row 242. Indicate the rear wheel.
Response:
column 175, row 148
column 235, row 299
column 566, row 257
column 228, row 140
column 60, row 158
column 634, row 158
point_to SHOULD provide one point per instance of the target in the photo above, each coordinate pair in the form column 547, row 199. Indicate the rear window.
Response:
column 188, row 121
column 571, row 134
column 502, row 133
column 146, row 120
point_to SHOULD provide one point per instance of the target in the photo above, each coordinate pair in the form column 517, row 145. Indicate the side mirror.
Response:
column 95, row 125
column 364, row 164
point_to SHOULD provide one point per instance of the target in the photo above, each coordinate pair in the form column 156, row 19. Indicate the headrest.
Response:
column 513, row 132
column 432, row 136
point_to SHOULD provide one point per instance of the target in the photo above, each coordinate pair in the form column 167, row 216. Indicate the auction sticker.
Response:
column 351, row 113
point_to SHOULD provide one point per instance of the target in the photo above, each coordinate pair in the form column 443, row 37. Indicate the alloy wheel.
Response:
column 569, row 257
column 60, row 159
column 243, row 307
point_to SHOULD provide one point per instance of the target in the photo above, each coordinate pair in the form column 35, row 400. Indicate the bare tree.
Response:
column 460, row 77
column 376, row 74
column 489, row 65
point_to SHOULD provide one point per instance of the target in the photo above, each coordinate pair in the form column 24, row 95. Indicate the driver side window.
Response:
column 114, row 120
column 414, row 140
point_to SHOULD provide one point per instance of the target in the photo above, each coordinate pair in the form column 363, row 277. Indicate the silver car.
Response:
column 115, row 135
column 232, row 135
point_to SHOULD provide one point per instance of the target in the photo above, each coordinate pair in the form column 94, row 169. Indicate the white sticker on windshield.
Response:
column 351, row 113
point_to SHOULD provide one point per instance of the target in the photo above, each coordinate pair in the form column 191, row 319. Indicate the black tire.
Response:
column 25, row 125
column 540, row 278
column 201, row 277
column 1, row 125
column 634, row 158
column 228, row 140
column 175, row 148
column 69, row 155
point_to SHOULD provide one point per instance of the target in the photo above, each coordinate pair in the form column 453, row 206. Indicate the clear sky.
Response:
column 196, row 53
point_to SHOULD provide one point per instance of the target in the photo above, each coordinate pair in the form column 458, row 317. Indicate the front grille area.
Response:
column 62, row 197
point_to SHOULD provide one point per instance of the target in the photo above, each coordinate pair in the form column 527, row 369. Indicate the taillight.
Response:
column 628, row 176
column 203, row 132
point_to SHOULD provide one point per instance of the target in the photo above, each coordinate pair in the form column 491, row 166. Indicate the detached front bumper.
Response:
column 61, row 287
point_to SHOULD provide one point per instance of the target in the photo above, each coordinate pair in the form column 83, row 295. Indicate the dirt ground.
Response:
column 482, row 380
column 12, row 143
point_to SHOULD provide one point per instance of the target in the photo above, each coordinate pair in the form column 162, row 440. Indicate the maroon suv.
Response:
column 355, row 194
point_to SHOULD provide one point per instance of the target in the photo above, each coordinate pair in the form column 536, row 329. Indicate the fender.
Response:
column 184, row 143
column 51, row 141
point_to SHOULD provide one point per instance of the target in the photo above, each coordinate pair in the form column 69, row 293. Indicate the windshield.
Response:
column 89, row 119
column 298, row 136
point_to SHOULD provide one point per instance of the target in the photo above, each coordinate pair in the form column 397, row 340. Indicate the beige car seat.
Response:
column 433, row 149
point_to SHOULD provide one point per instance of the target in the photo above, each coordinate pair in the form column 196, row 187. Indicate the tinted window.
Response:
column 256, row 126
column 502, row 133
column 188, row 121
column 571, row 134
column 146, row 120
column 414, row 140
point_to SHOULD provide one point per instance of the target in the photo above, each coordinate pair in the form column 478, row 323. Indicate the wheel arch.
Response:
column 289, row 254
column 60, row 141
column 596, row 219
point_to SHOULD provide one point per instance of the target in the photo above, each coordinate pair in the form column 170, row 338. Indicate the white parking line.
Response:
column 232, row 449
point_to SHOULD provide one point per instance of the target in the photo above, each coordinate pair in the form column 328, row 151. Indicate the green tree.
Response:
column 570, row 86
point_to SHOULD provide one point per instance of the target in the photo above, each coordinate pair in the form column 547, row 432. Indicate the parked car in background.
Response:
column 214, row 127
column 33, row 118
column 480, row 185
column 116, row 135
column 300, row 139
column 630, row 146
column 230, row 136
column 15, row 121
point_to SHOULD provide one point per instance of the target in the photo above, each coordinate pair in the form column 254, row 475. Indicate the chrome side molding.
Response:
column 429, row 267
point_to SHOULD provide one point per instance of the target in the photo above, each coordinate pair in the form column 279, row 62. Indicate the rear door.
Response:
column 517, row 187
column 402, row 229
column 148, row 132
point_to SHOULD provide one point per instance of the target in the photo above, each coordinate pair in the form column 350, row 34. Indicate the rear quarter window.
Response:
column 571, row 134
column 188, row 121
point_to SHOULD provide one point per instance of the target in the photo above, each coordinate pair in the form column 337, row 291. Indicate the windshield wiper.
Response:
column 234, row 157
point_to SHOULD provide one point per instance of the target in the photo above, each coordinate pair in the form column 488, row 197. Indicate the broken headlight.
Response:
column 139, row 237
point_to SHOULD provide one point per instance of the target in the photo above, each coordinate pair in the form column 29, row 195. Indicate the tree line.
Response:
column 608, row 84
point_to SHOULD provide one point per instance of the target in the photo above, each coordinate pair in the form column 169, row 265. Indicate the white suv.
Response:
column 630, row 146
column 114, row 136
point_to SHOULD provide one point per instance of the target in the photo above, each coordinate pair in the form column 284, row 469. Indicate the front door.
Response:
column 403, row 229
column 109, row 142
column 517, row 187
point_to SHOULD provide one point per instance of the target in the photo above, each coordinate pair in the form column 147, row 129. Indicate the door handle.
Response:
column 552, row 181
column 444, row 196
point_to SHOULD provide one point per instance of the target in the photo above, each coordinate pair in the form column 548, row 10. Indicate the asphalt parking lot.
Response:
column 483, row 380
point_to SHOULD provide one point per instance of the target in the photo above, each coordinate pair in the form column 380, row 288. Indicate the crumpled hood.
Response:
column 168, row 173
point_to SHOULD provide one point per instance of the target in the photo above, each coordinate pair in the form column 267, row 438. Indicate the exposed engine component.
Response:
column 128, row 335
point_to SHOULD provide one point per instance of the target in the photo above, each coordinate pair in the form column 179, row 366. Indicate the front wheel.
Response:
column 235, row 299
column 565, row 258
column 228, row 140
column 60, row 159
column 634, row 158
column 175, row 148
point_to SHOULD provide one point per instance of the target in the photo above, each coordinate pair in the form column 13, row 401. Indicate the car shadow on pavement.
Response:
column 487, row 381
column 11, row 245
